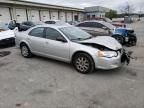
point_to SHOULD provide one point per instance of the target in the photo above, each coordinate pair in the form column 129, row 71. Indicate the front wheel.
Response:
column 25, row 51
column 83, row 63
column 119, row 39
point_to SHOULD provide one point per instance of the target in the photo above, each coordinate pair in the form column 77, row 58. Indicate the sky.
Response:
column 112, row 4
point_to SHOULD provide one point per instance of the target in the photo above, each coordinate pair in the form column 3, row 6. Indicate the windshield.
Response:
column 74, row 33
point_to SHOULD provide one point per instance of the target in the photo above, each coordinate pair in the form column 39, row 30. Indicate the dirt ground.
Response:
column 44, row 83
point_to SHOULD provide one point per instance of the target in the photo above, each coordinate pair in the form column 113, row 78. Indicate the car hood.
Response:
column 6, row 34
column 106, row 41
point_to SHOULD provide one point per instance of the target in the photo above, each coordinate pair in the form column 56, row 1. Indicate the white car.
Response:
column 7, row 36
column 73, row 45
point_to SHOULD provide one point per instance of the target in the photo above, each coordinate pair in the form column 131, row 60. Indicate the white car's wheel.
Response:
column 25, row 51
column 83, row 63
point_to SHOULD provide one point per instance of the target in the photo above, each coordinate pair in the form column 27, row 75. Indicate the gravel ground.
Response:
column 44, row 83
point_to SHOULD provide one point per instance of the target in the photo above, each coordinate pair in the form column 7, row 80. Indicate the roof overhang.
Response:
column 42, row 5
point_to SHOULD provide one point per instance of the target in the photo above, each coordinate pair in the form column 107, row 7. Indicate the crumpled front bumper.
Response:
column 114, row 62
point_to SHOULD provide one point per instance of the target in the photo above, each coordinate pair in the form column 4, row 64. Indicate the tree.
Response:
column 127, row 9
column 111, row 14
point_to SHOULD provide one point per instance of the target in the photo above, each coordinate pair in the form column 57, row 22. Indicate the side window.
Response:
column 91, row 24
column 82, row 25
column 52, row 34
column 98, row 25
column 37, row 32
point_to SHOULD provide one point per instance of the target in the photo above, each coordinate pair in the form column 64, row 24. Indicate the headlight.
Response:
column 108, row 54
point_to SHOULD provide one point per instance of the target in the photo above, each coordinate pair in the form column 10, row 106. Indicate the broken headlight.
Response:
column 108, row 54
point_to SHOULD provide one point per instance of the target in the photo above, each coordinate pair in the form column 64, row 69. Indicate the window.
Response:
column 98, row 25
column 52, row 34
column 93, row 16
column 85, row 24
column 37, row 32
column 88, row 17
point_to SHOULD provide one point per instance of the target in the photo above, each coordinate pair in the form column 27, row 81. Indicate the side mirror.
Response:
column 60, row 38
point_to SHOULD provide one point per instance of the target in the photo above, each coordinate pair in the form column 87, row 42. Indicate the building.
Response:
column 95, row 12
column 31, row 11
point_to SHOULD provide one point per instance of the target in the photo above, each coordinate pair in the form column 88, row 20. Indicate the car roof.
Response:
column 52, row 20
column 95, row 21
column 109, row 25
column 54, row 26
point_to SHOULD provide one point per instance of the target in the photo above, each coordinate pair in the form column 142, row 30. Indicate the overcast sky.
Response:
column 113, row 4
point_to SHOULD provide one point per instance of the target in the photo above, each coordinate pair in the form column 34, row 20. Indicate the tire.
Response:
column 119, row 39
column 25, row 51
column 83, row 63
column 133, row 41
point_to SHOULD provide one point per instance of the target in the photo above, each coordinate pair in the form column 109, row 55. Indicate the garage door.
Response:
column 21, row 15
column 44, row 15
column 5, row 15
column 62, row 16
column 81, row 17
column 75, row 17
column 33, row 15
column 69, row 16
column 54, row 15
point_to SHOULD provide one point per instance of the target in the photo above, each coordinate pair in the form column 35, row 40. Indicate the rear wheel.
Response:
column 25, row 51
column 83, row 63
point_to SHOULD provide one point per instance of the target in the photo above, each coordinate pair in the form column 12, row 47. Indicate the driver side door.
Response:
column 55, row 48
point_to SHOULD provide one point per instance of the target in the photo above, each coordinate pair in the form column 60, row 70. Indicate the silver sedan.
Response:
column 71, row 44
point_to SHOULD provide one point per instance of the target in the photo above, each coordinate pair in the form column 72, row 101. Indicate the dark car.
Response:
column 23, row 26
column 97, row 28
column 116, row 24
column 26, row 25
column 125, row 36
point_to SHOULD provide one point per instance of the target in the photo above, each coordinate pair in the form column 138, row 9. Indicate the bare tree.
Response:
column 127, row 8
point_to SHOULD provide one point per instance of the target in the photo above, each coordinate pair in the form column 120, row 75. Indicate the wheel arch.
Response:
column 77, row 52
column 24, row 42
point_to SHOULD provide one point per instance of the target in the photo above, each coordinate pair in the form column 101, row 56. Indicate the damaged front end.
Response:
column 125, row 56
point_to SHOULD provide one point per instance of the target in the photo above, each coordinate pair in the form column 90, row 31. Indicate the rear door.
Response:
column 36, row 40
